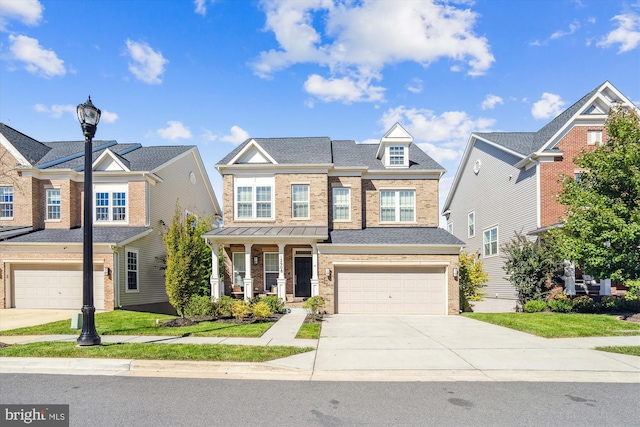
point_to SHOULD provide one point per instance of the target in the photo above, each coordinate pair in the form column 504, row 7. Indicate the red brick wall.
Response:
column 551, row 211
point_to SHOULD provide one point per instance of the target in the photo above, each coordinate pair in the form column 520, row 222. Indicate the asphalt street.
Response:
column 137, row 401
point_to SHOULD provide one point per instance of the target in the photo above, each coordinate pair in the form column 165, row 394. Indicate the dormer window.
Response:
column 396, row 156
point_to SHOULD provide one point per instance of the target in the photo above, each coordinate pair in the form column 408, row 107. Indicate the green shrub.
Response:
column 222, row 307
column 584, row 304
column 261, row 310
column 560, row 304
column 313, row 305
column 240, row 309
column 535, row 306
column 629, row 305
column 609, row 303
column 198, row 306
column 275, row 304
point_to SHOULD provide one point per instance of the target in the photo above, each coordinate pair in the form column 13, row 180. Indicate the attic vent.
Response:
column 476, row 166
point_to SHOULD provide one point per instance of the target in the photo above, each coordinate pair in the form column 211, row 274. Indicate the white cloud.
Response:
column 56, row 111
column 29, row 12
column 148, row 65
column 343, row 89
column 573, row 27
column 350, row 46
column 415, row 85
column 442, row 136
column 38, row 60
column 174, row 130
column 201, row 7
column 237, row 135
column 550, row 105
column 627, row 34
column 490, row 102
column 108, row 117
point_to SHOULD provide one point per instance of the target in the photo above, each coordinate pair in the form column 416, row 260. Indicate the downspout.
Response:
column 116, row 278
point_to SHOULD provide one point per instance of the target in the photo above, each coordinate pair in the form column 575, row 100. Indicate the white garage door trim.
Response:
column 54, row 285
column 391, row 290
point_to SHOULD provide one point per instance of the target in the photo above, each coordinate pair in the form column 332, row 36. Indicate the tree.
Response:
column 472, row 280
column 529, row 265
column 188, row 262
column 601, row 231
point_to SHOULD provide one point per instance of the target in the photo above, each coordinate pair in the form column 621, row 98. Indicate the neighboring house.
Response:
column 354, row 223
column 135, row 190
column 507, row 182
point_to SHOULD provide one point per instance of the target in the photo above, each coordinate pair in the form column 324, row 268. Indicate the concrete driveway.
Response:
column 379, row 343
column 13, row 318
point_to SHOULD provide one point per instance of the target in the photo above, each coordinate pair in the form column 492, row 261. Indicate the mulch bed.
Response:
column 635, row 318
column 190, row 321
column 312, row 319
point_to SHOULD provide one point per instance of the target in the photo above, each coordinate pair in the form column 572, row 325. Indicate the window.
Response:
column 132, row 270
column 6, row 202
column 53, row 203
column 254, row 198
column 396, row 156
column 397, row 205
column 342, row 204
column 110, row 203
column 300, row 200
column 490, row 241
column 270, row 270
column 594, row 137
column 471, row 222
column 238, row 269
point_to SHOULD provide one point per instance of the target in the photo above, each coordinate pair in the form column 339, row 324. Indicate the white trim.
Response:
column 14, row 151
column 538, row 201
column 469, row 235
column 333, row 203
column 127, row 251
column 110, row 189
column 497, row 241
column 264, row 270
column 397, row 206
column 252, row 144
column 108, row 153
column 308, row 201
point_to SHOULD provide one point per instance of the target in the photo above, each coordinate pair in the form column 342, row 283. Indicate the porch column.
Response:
column 215, row 273
column 248, row 281
column 315, row 284
column 569, row 278
column 605, row 286
column 282, row 282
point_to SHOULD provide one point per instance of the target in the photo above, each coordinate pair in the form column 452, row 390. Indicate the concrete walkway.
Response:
column 375, row 348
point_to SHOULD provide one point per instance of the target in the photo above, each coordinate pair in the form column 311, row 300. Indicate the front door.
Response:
column 303, row 277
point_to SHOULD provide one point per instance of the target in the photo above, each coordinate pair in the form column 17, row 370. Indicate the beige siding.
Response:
column 151, row 286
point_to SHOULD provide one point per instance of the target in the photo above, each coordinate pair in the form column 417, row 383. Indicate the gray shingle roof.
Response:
column 70, row 154
column 322, row 150
column 394, row 236
column 112, row 235
column 526, row 143
column 31, row 149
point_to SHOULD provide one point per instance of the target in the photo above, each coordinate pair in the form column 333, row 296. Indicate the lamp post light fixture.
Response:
column 88, row 116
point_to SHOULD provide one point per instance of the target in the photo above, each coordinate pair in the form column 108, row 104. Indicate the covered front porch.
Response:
column 264, row 261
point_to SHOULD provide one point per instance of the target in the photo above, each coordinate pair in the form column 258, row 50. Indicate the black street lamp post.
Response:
column 88, row 116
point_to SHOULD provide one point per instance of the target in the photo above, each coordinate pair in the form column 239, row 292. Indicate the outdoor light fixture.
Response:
column 255, row 260
column 455, row 272
column 106, row 271
column 327, row 271
column 88, row 116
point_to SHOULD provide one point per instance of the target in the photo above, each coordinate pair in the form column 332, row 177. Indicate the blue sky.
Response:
column 212, row 73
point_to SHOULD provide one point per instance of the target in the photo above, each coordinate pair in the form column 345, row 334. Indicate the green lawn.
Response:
column 632, row 350
column 149, row 351
column 309, row 331
column 122, row 322
column 560, row 325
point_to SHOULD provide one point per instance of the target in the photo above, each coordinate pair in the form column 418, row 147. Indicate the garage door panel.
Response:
column 56, row 286
column 391, row 290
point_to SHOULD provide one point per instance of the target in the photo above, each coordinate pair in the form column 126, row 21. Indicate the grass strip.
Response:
column 632, row 350
column 309, row 331
column 150, row 351
column 122, row 322
column 561, row 325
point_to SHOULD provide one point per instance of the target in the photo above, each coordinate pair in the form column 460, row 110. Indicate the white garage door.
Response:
column 54, row 286
column 398, row 291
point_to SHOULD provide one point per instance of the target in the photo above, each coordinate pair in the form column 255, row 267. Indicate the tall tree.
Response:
column 188, row 263
column 473, row 280
column 601, row 231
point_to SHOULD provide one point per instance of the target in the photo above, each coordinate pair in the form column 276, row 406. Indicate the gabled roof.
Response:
column 324, row 151
column 30, row 149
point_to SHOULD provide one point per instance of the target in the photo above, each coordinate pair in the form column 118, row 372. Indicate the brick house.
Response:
column 518, row 177
column 354, row 223
column 135, row 192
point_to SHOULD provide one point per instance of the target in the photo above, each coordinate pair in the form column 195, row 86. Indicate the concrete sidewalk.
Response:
column 375, row 348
